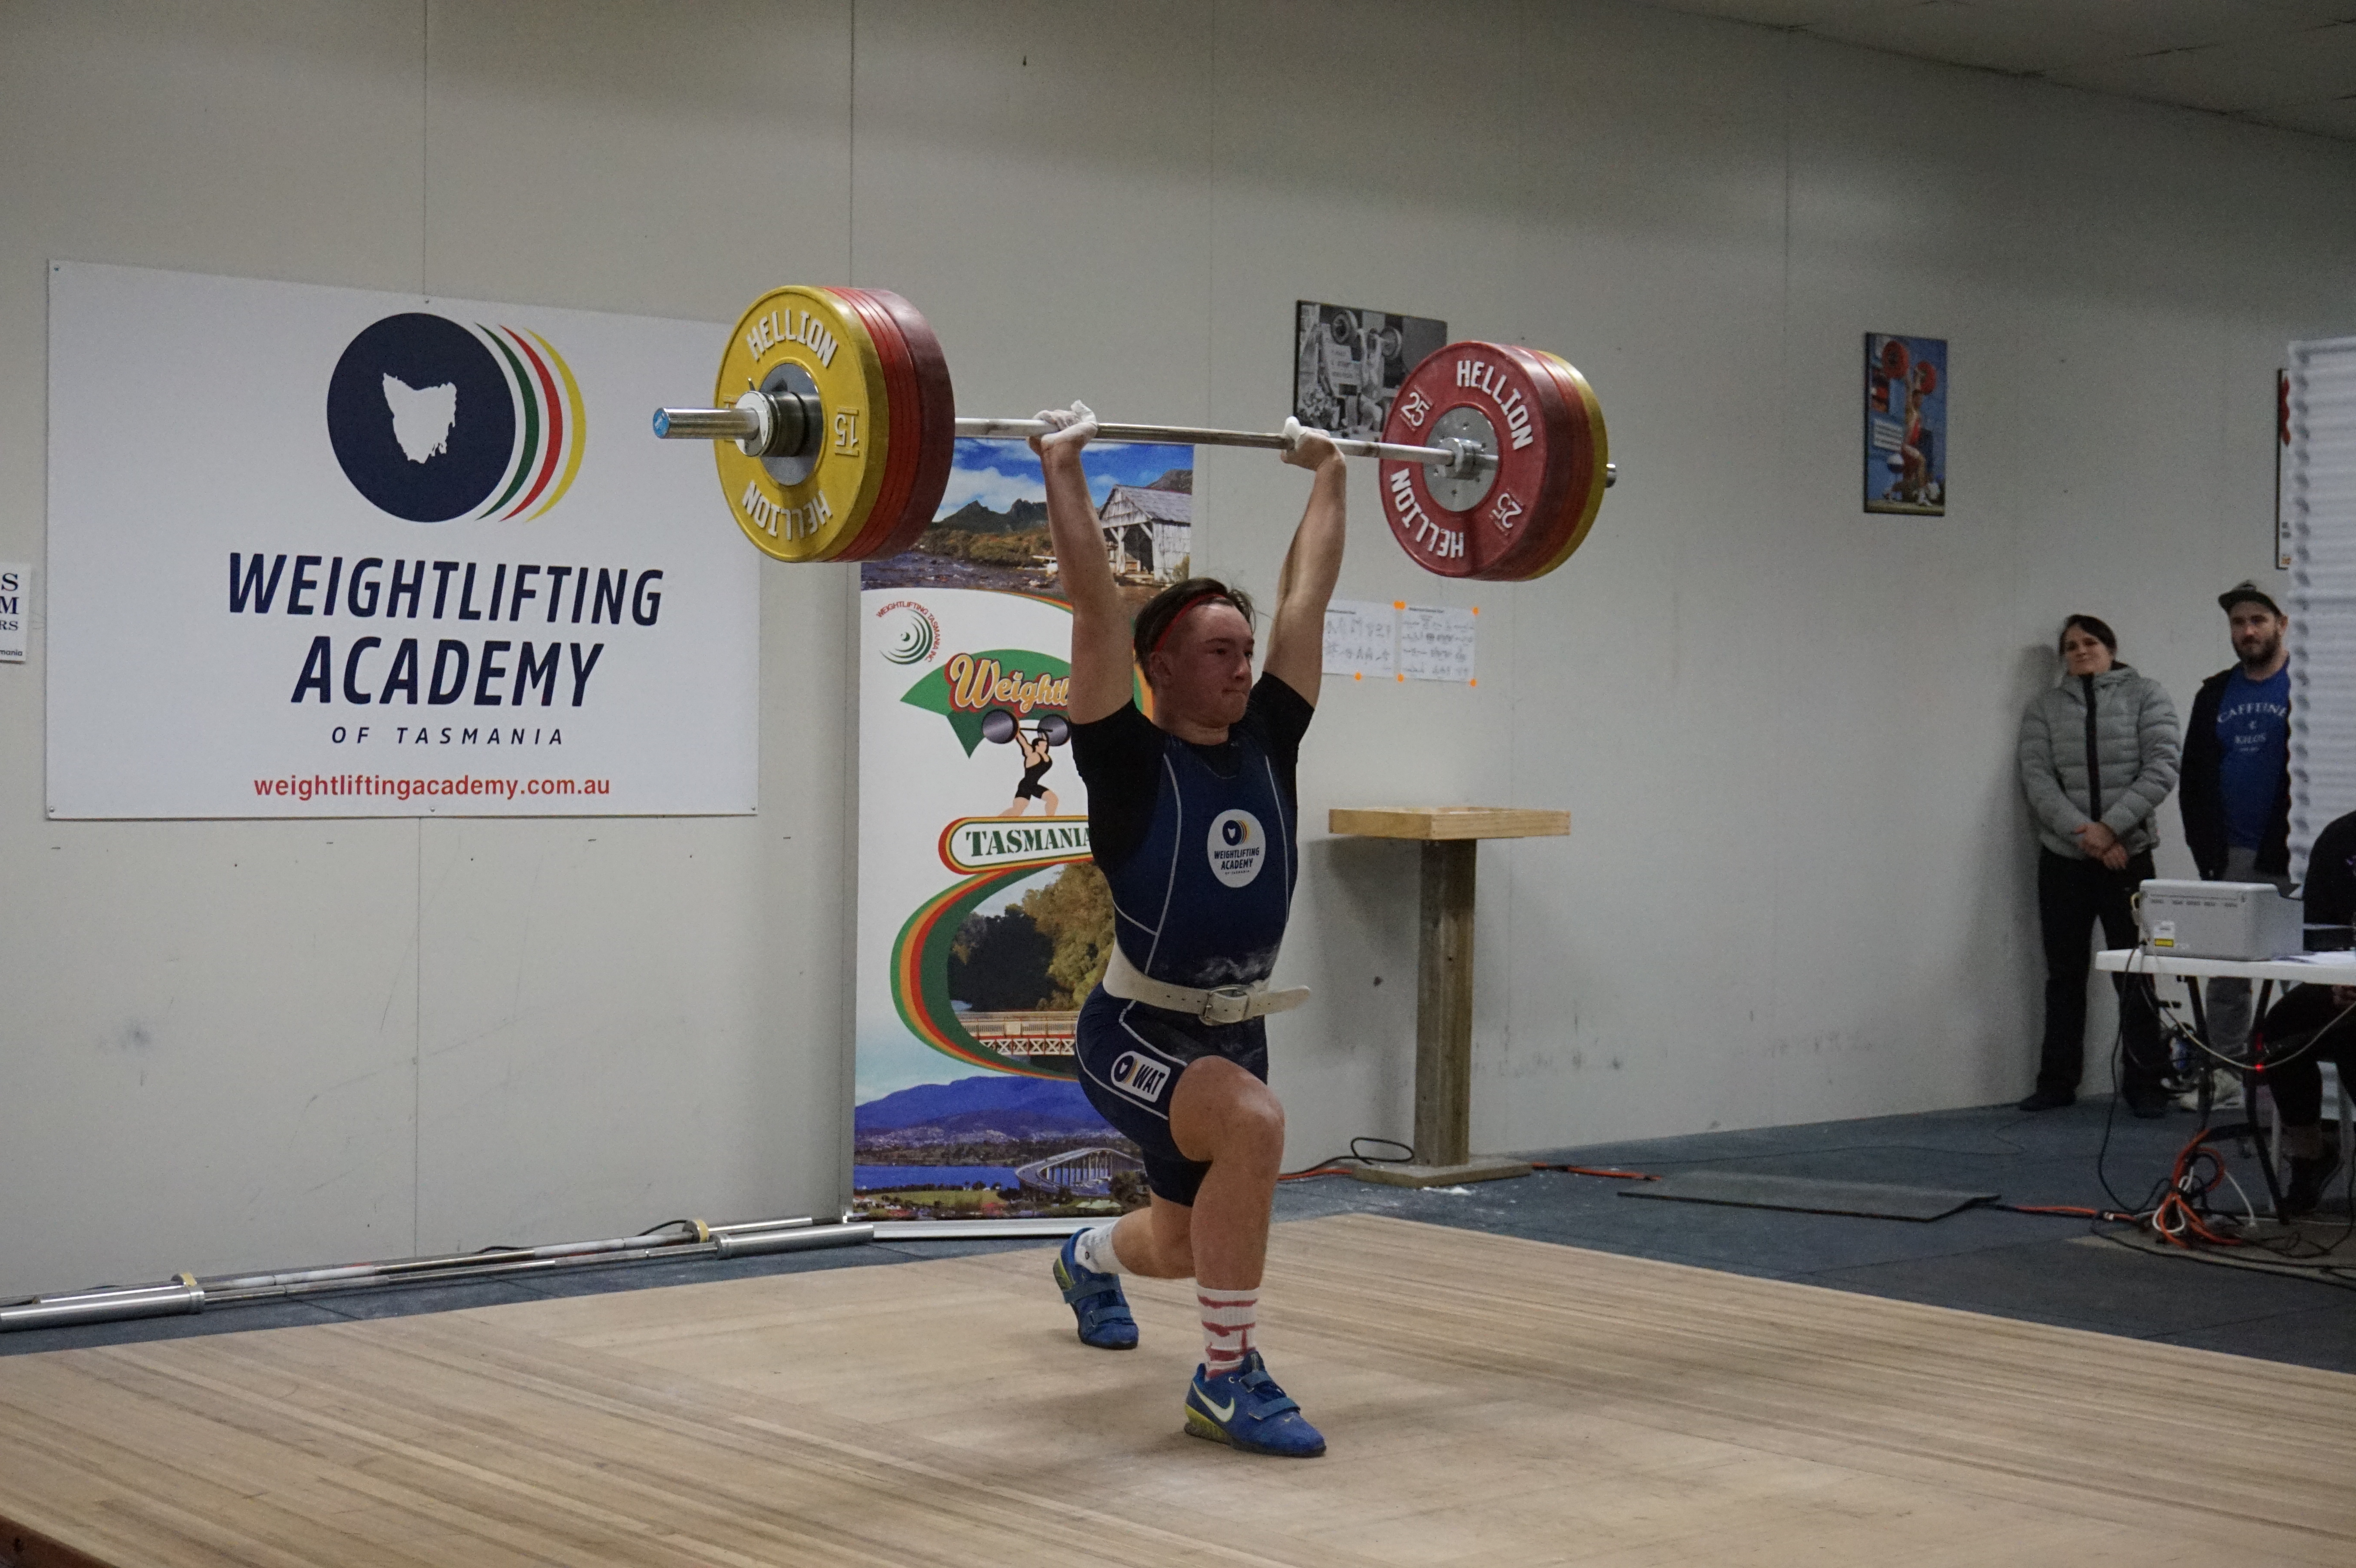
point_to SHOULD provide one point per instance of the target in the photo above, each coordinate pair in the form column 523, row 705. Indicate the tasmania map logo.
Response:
column 432, row 420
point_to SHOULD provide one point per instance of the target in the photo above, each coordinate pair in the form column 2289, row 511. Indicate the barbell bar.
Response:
column 839, row 445
column 777, row 425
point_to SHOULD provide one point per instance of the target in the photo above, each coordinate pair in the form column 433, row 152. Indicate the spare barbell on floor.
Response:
column 839, row 443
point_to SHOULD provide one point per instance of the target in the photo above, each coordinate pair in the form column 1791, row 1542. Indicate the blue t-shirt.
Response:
column 2253, row 743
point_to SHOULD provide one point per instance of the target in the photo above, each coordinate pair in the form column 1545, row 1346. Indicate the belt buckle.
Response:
column 1218, row 1000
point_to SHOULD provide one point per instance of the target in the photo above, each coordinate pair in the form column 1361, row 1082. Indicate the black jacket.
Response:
column 2203, row 804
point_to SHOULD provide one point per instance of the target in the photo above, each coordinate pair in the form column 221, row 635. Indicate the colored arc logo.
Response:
column 431, row 420
column 552, row 426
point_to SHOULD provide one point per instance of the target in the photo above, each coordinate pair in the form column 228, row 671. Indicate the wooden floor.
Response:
column 1488, row 1401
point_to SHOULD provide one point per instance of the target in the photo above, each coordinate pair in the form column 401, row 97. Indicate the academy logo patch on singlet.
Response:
column 1139, row 1077
column 1237, row 848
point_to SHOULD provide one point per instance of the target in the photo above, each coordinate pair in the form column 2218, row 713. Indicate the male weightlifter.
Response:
column 1193, row 818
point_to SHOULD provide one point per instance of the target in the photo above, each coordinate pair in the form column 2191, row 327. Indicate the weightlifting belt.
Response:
column 1215, row 1004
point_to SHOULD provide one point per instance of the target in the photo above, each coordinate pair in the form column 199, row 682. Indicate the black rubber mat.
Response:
column 1747, row 1190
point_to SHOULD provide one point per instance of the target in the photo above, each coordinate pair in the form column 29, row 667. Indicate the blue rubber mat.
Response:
column 1750, row 1189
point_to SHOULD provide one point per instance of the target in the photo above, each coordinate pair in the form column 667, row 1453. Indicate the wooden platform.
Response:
column 1489, row 1401
column 1442, row 823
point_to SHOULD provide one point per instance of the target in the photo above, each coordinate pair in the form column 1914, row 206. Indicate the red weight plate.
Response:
column 1574, row 457
column 1593, row 445
column 1524, row 404
column 898, row 426
column 878, row 425
column 935, row 434
column 1540, row 532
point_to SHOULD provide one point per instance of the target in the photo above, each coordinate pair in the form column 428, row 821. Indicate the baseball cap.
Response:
column 2246, row 589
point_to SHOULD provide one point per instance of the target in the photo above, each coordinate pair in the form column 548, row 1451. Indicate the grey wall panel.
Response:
column 204, row 1054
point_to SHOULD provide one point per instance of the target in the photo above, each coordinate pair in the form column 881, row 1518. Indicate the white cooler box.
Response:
column 2219, row 919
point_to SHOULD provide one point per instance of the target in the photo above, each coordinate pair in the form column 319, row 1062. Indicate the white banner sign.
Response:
column 16, row 589
column 327, row 552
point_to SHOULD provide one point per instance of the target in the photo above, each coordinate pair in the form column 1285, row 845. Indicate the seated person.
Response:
column 2315, row 1024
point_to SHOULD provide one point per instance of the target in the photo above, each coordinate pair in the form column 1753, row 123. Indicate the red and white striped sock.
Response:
column 1230, row 1318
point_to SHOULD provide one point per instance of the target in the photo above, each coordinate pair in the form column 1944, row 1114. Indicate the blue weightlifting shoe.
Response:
column 1246, row 1410
column 1095, row 1299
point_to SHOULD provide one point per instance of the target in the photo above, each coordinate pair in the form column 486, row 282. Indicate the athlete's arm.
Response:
column 1295, row 637
column 1101, row 657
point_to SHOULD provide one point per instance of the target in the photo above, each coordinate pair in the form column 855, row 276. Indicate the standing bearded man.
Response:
column 1194, row 819
column 2235, row 793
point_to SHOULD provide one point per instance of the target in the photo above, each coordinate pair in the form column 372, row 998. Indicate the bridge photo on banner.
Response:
column 982, row 923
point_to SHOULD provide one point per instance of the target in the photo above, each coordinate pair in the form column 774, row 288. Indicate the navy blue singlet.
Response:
column 1199, row 846
column 1202, row 899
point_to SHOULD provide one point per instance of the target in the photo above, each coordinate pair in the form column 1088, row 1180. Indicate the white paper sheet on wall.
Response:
column 1361, row 639
column 1436, row 643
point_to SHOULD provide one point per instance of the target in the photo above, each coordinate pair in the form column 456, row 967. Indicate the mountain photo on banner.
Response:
column 990, row 530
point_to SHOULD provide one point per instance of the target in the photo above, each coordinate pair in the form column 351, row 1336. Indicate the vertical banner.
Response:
column 982, row 923
column 1906, row 424
column 334, row 552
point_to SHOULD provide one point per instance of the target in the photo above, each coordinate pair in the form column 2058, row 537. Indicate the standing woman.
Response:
column 2097, row 756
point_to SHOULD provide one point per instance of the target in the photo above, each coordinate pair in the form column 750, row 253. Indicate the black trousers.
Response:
column 2290, row 1030
column 2071, row 896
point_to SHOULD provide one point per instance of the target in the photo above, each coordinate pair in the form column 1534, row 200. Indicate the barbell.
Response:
column 1493, row 459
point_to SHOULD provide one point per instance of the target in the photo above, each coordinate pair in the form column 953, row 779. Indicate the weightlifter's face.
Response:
column 1204, row 673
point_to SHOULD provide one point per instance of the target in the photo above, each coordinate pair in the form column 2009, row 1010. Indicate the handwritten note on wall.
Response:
column 1361, row 639
column 1435, row 642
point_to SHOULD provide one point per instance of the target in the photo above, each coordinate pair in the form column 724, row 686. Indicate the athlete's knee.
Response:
column 1253, row 1127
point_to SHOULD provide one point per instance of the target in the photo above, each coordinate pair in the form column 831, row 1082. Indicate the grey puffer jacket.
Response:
column 2117, row 771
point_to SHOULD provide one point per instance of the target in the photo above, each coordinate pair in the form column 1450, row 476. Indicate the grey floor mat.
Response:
column 1749, row 1190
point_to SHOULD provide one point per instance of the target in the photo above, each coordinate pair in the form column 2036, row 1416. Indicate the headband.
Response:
column 1205, row 596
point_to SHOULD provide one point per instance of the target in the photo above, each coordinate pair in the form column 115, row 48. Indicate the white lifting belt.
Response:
column 1216, row 1005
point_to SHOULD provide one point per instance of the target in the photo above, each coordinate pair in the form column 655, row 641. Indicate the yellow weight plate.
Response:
column 1568, row 374
column 799, row 332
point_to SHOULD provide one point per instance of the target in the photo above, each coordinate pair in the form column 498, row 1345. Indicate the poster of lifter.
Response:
column 1906, row 424
column 1348, row 364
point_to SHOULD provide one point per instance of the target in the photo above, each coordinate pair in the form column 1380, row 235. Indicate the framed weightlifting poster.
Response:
column 1348, row 364
column 1905, row 424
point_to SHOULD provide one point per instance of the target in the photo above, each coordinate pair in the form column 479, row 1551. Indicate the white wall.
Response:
column 1798, row 882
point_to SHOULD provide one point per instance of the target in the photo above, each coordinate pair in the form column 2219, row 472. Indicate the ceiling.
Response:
column 2290, row 63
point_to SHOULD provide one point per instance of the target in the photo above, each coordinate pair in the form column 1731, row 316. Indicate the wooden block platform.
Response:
column 1489, row 1401
column 1441, row 823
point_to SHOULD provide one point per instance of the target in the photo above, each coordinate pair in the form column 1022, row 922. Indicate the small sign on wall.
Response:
column 1435, row 642
column 1362, row 639
column 16, row 589
column 1906, row 424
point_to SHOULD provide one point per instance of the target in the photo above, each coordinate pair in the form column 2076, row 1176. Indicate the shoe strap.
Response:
column 1268, row 1398
column 1103, row 1307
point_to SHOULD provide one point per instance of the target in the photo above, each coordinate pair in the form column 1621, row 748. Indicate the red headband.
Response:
column 1204, row 597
